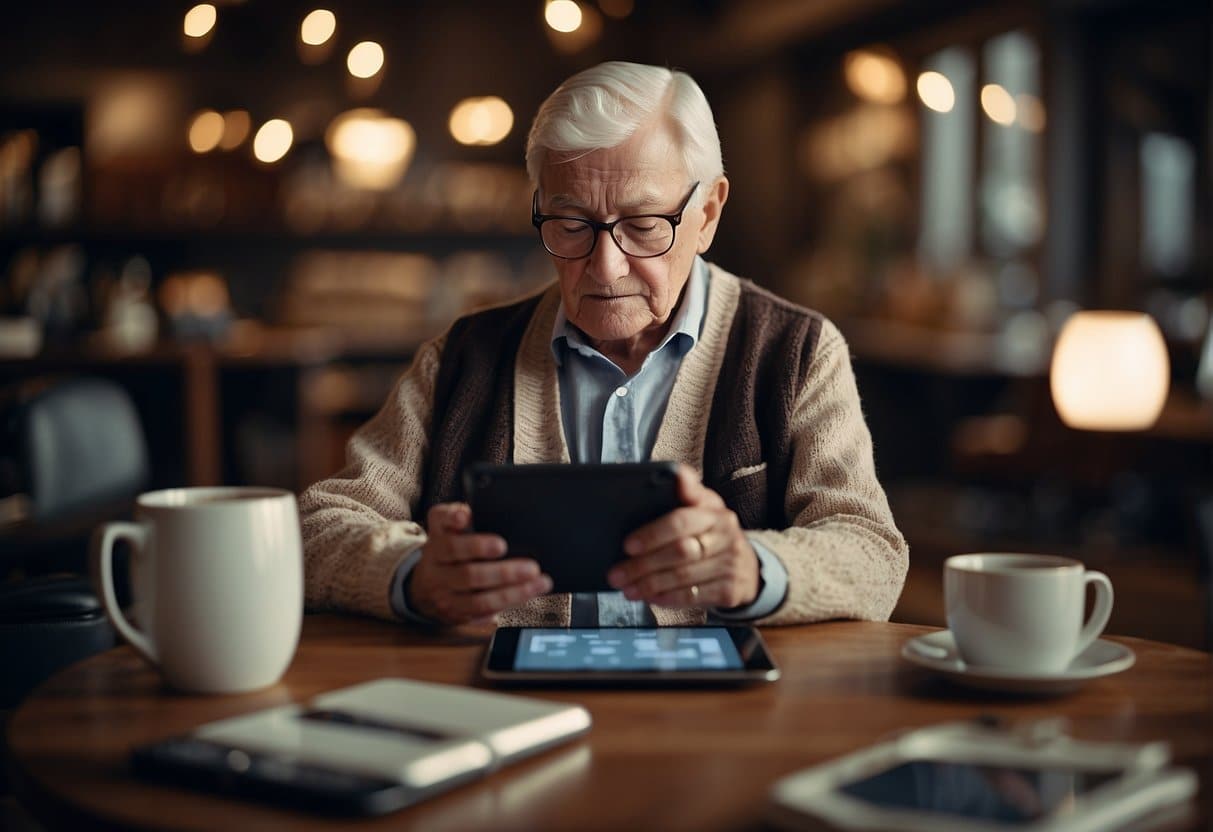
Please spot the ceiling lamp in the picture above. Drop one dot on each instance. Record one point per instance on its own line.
(370, 149)
(481, 121)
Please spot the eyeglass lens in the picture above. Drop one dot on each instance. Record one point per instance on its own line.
(637, 236)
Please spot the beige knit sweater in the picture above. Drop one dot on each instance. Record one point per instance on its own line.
(844, 556)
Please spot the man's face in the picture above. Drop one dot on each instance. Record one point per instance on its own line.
(621, 302)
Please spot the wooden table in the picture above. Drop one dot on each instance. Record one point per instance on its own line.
(653, 759)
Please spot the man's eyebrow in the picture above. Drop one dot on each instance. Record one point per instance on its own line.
(639, 203)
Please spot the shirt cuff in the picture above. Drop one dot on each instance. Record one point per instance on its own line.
(399, 598)
(772, 588)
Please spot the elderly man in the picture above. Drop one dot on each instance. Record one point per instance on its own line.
(640, 350)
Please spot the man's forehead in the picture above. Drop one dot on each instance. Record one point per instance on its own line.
(623, 195)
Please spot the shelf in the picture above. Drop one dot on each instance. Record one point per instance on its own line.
(1185, 418)
(439, 240)
(932, 515)
(268, 346)
(948, 352)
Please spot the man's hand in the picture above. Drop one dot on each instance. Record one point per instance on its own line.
(695, 556)
(461, 578)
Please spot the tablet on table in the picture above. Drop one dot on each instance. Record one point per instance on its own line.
(712, 654)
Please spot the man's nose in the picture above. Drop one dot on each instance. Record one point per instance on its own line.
(607, 263)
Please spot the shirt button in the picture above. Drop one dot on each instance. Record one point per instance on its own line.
(621, 391)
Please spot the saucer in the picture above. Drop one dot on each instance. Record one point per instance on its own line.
(937, 652)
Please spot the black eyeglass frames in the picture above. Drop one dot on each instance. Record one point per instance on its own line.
(642, 235)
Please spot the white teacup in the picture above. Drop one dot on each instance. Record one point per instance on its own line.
(217, 580)
(1023, 612)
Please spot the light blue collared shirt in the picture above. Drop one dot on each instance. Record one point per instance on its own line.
(607, 415)
(611, 417)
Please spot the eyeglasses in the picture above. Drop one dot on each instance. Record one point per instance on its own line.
(643, 235)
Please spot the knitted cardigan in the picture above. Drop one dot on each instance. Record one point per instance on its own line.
(844, 556)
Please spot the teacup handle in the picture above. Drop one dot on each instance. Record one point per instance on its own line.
(1101, 612)
(102, 562)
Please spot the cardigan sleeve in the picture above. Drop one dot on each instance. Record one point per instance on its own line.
(844, 554)
(358, 525)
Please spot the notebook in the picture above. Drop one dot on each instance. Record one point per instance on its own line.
(367, 749)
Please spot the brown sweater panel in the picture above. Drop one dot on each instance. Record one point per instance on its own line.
(769, 353)
(474, 398)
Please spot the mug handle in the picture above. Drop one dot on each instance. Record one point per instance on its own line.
(102, 562)
(1099, 615)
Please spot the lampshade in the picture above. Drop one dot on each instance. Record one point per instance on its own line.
(1110, 371)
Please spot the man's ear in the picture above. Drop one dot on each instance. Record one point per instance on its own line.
(713, 204)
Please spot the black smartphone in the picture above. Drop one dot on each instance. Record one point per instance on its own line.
(571, 518)
(198, 764)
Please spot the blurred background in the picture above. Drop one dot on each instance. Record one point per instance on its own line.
(249, 214)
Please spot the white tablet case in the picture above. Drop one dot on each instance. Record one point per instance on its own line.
(420, 734)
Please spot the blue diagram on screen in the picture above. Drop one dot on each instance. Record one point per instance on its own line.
(658, 649)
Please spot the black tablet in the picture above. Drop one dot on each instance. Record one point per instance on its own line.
(571, 518)
(713, 654)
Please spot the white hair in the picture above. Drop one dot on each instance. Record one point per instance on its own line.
(603, 106)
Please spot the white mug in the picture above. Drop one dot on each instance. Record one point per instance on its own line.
(1023, 612)
(217, 580)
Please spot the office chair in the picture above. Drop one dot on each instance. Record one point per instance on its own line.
(72, 453)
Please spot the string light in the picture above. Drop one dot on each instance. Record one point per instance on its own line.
(200, 20)
(206, 131)
(318, 27)
(936, 92)
(998, 104)
(563, 15)
(875, 77)
(236, 127)
(273, 140)
(365, 59)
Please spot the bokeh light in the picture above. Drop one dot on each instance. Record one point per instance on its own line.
(200, 20)
(998, 104)
(370, 149)
(236, 127)
(318, 27)
(874, 76)
(1030, 112)
(936, 92)
(206, 131)
(481, 121)
(273, 140)
(562, 15)
(365, 59)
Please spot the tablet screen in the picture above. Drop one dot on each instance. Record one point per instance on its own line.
(999, 793)
(658, 649)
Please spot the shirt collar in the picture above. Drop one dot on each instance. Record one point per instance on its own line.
(686, 324)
